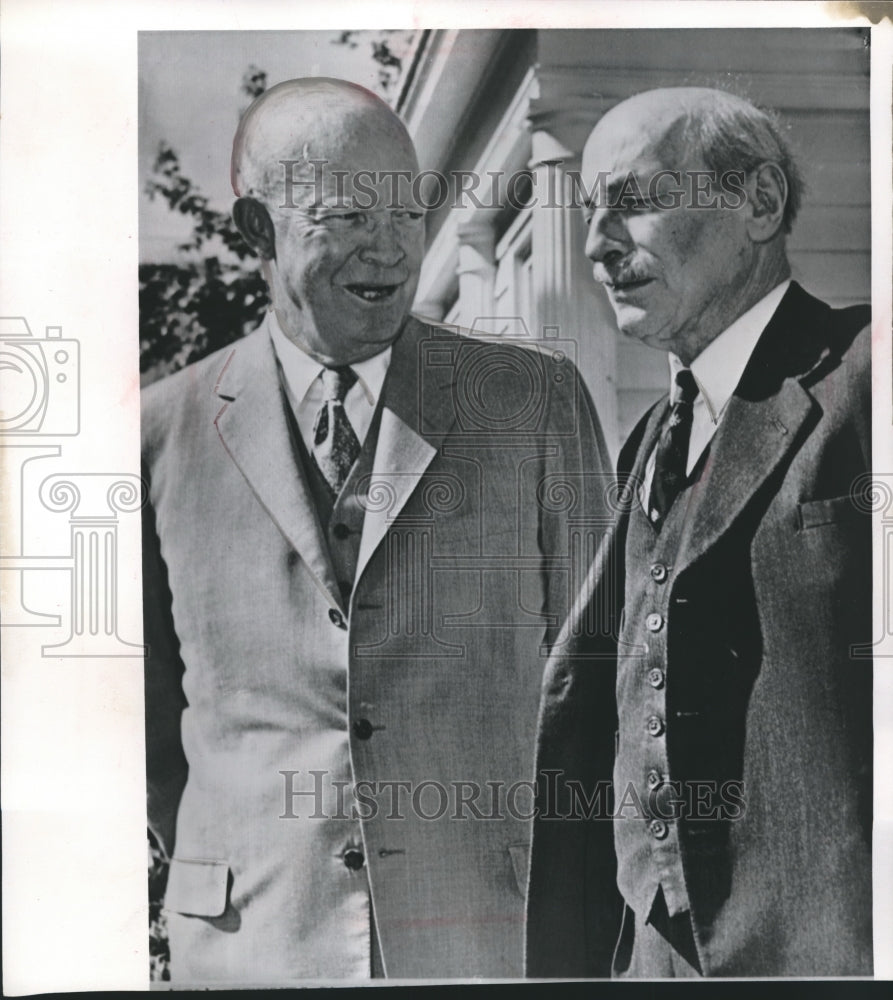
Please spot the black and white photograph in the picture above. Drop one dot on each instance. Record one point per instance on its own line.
(400, 613)
(489, 557)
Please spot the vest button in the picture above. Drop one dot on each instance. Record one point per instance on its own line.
(336, 618)
(658, 829)
(656, 677)
(655, 725)
(654, 622)
(340, 531)
(362, 729)
(658, 572)
(653, 779)
(353, 859)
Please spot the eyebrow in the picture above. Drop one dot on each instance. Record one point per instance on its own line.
(607, 194)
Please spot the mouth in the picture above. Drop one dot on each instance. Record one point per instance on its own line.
(619, 287)
(372, 293)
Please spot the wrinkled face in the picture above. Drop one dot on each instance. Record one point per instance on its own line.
(666, 245)
(349, 245)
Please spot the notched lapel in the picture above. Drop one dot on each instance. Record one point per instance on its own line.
(253, 428)
(752, 441)
(416, 414)
(762, 423)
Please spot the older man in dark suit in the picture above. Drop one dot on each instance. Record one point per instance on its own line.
(705, 735)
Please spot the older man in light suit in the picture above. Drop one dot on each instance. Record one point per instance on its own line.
(356, 552)
(720, 694)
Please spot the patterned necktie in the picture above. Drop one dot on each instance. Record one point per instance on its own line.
(335, 444)
(671, 457)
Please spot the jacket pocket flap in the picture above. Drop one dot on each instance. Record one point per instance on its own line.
(520, 855)
(197, 888)
(814, 513)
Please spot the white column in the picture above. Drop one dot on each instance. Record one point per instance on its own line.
(477, 274)
(569, 305)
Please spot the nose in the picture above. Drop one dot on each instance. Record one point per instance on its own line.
(607, 239)
(381, 244)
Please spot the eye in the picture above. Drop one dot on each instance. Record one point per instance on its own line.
(342, 218)
(631, 205)
(408, 215)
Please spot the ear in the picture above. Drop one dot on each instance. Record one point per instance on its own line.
(254, 223)
(767, 195)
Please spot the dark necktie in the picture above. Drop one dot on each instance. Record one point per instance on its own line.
(671, 457)
(335, 444)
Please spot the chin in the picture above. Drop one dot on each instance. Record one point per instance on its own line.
(633, 327)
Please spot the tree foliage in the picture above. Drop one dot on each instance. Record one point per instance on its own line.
(215, 293)
(211, 298)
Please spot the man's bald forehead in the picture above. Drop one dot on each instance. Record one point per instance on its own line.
(664, 116)
(310, 118)
(669, 103)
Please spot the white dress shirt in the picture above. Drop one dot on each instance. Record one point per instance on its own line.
(305, 391)
(717, 371)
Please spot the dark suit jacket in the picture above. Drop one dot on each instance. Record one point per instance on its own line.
(771, 592)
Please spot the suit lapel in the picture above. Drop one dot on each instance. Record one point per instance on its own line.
(417, 411)
(254, 430)
(761, 424)
(603, 586)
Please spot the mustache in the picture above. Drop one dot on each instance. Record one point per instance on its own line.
(623, 274)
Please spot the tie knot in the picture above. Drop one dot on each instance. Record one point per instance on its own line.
(337, 382)
(686, 386)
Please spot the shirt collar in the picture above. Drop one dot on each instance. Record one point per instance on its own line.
(301, 371)
(719, 367)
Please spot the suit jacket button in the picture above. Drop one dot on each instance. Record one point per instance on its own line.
(655, 725)
(340, 531)
(353, 859)
(336, 618)
(658, 829)
(362, 729)
(658, 572)
(656, 677)
(654, 622)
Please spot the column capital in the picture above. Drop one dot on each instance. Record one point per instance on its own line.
(476, 231)
(560, 126)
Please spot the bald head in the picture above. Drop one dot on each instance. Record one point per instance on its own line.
(313, 167)
(725, 132)
(314, 119)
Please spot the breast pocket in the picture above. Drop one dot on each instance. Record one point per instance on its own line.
(197, 888)
(837, 510)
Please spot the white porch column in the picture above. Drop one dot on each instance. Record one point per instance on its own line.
(569, 305)
(477, 273)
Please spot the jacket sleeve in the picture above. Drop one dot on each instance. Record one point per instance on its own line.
(166, 766)
(576, 494)
(573, 905)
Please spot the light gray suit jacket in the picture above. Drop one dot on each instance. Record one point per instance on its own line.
(487, 479)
